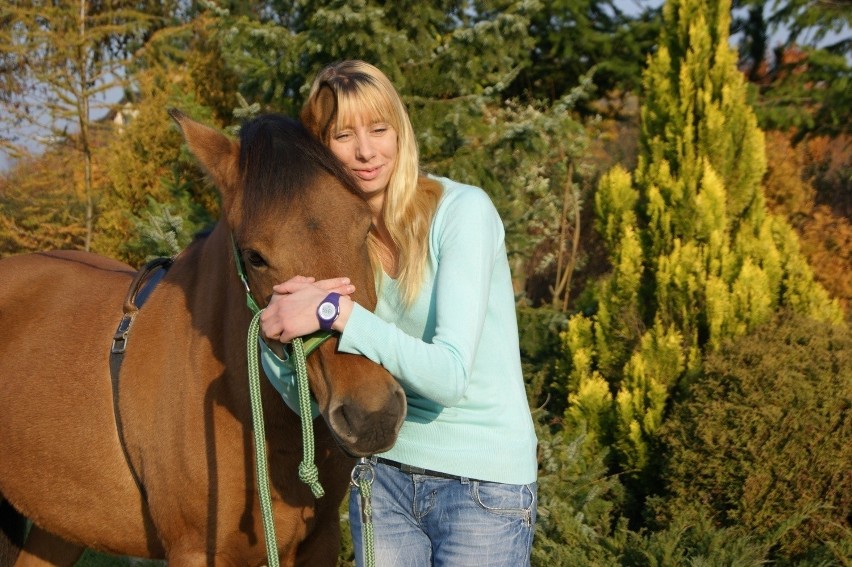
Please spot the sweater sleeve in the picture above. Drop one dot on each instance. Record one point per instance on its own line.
(466, 239)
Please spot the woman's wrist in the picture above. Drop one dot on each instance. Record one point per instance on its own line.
(346, 304)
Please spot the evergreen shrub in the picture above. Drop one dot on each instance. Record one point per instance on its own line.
(542, 356)
(579, 501)
(763, 438)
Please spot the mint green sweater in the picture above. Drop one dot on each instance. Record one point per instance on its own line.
(454, 350)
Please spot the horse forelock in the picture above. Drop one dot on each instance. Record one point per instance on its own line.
(279, 161)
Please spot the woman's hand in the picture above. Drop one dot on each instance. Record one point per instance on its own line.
(292, 309)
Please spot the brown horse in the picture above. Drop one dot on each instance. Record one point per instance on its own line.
(184, 399)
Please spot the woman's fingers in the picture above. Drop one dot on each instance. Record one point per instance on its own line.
(292, 309)
(293, 284)
(333, 284)
(339, 285)
(342, 286)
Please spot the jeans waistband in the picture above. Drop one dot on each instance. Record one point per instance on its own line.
(408, 469)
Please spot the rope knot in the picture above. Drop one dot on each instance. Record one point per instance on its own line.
(309, 474)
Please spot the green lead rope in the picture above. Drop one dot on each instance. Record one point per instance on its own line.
(362, 477)
(362, 474)
(367, 524)
(308, 472)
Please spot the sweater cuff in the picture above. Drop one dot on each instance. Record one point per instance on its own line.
(356, 325)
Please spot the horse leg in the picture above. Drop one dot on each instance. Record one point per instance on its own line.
(322, 546)
(13, 527)
(43, 549)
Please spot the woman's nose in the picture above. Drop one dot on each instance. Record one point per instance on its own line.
(364, 149)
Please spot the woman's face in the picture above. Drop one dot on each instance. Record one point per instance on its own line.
(369, 150)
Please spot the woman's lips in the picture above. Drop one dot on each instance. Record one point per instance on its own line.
(368, 174)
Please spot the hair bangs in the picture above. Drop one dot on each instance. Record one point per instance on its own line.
(366, 102)
(353, 92)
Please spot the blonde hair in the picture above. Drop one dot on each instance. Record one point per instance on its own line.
(354, 88)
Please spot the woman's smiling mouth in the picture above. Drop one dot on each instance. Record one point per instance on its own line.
(368, 174)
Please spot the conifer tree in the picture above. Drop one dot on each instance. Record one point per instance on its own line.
(150, 183)
(37, 212)
(696, 257)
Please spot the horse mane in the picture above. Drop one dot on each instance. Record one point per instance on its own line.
(279, 160)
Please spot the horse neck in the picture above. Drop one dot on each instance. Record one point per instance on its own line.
(218, 303)
(214, 295)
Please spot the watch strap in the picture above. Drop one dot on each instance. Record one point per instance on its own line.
(328, 311)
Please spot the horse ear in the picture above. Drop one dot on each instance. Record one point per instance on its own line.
(319, 113)
(218, 155)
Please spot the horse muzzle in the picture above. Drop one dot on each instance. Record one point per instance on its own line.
(366, 429)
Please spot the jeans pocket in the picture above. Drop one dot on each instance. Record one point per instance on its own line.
(510, 500)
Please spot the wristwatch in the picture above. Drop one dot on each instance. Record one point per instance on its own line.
(328, 311)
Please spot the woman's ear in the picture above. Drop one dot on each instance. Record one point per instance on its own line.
(320, 112)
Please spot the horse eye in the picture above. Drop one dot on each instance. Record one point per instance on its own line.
(255, 259)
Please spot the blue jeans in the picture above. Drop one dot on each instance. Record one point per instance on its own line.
(427, 521)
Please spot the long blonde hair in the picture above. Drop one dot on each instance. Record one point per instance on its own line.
(352, 88)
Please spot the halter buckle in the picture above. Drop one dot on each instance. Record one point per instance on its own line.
(119, 341)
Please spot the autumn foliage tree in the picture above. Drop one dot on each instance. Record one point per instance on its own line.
(62, 59)
(805, 184)
(37, 212)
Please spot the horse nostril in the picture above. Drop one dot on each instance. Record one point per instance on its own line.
(341, 424)
(363, 431)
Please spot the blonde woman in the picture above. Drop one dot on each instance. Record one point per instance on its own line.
(459, 486)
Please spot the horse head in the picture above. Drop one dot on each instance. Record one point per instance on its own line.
(293, 209)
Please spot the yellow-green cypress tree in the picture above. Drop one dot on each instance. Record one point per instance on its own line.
(696, 257)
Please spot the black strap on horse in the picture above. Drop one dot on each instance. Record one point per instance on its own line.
(140, 289)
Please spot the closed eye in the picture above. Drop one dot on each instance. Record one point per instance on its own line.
(254, 259)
